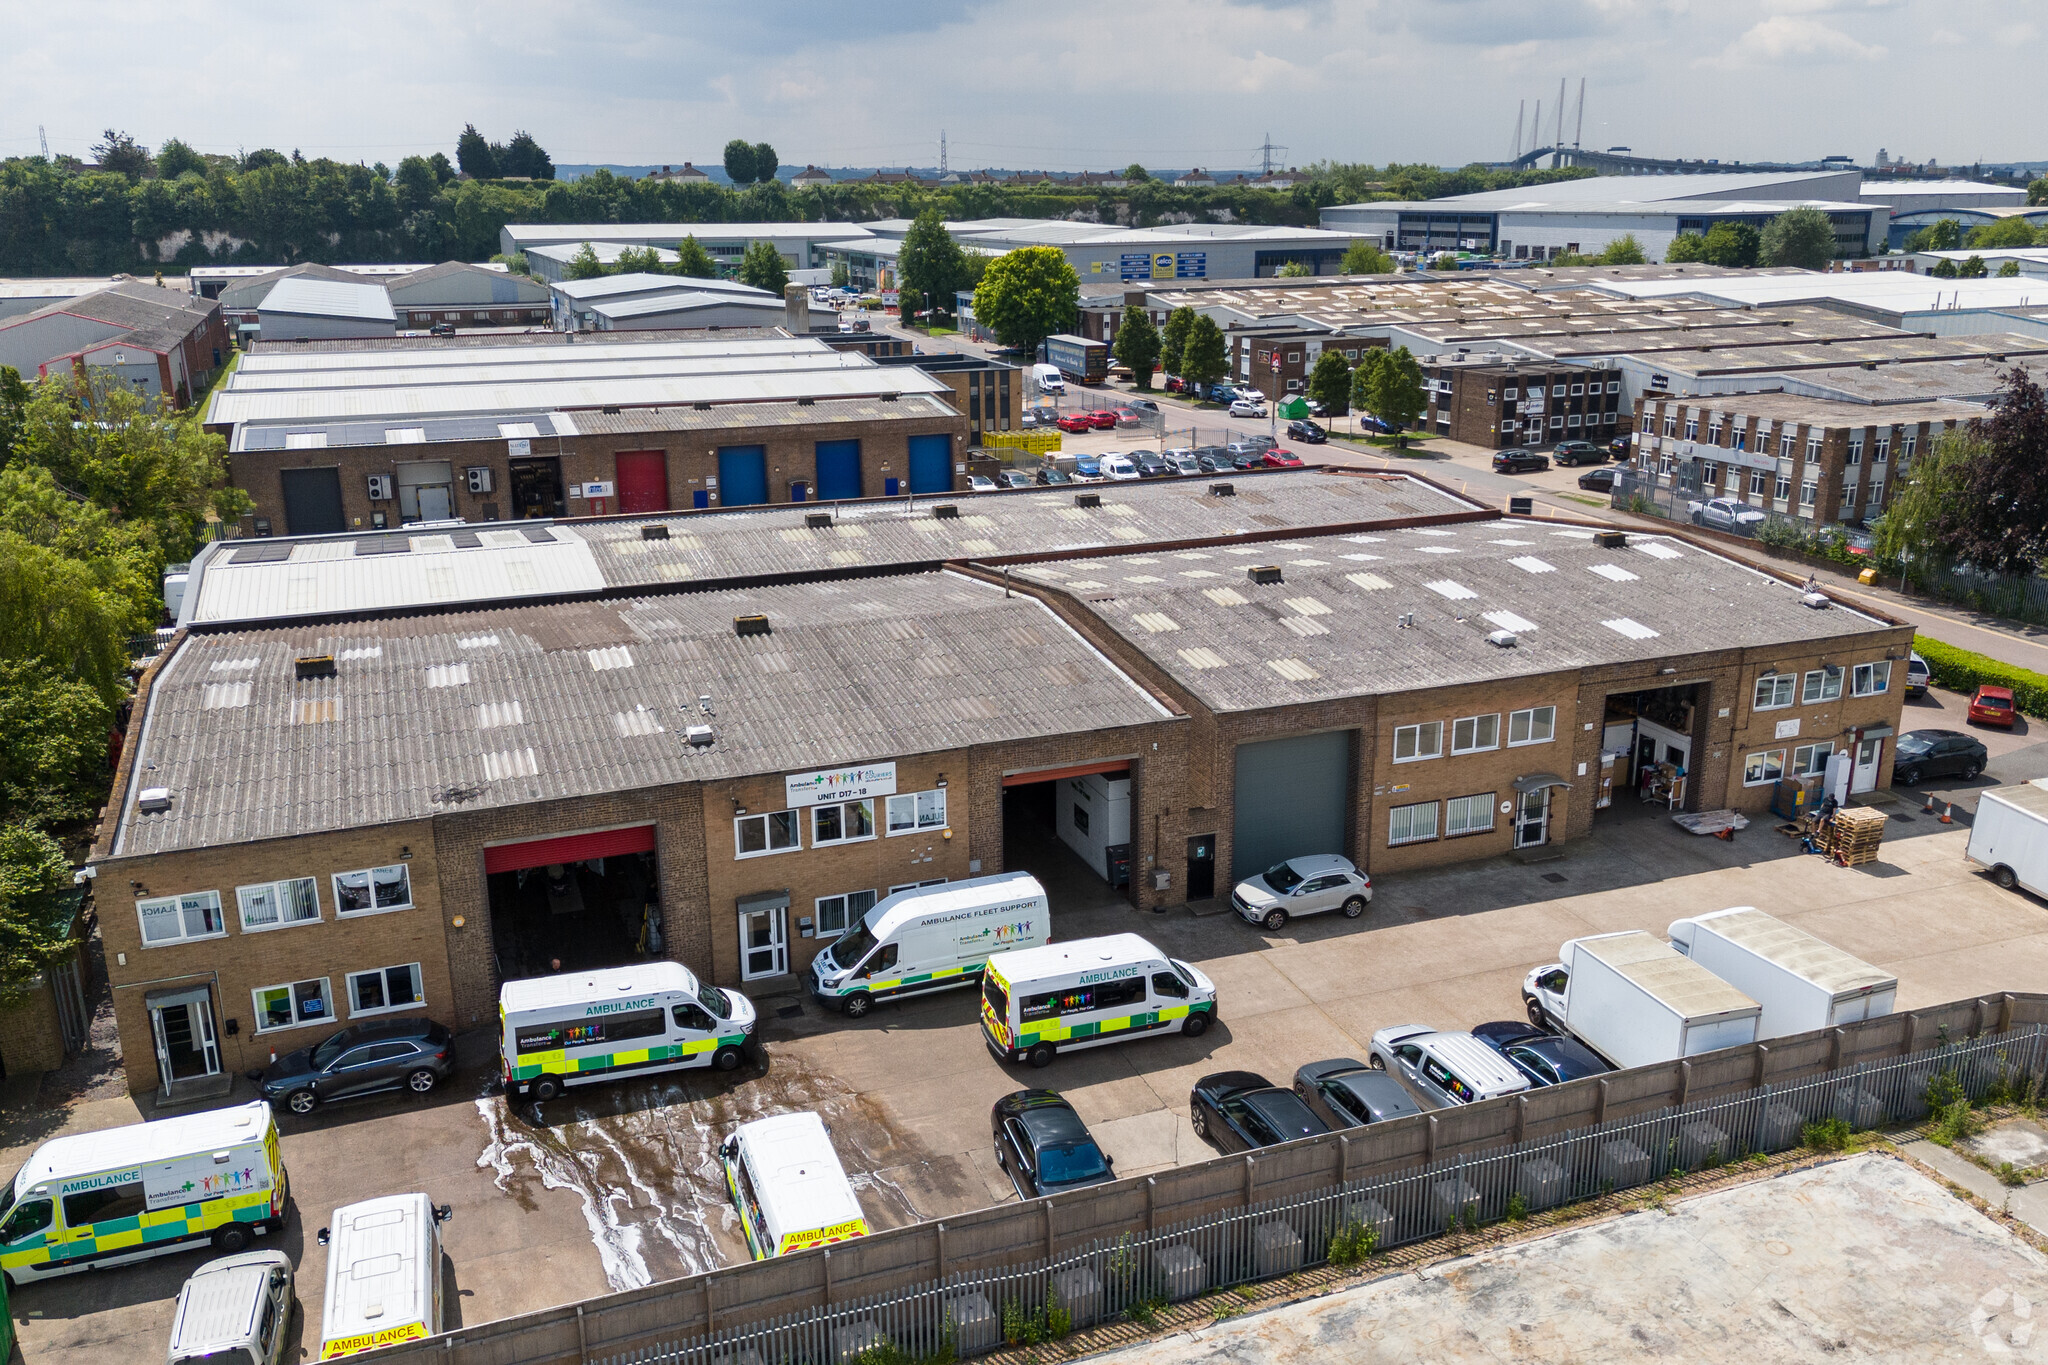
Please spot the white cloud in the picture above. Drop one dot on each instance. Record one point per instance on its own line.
(1783, 36)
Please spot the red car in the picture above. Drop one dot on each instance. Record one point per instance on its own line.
(1174, 384)
(1277, 458)
(1104, 420)
(1075, 421)
(1992, 706)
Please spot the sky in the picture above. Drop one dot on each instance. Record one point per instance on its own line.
(1039, 84)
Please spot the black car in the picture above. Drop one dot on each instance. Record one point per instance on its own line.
(1573, 453)
(1545, 1058)
(1043, 1145)
(1618, 448)
(1598, 480)
(1042, 416)
(362, 1059)
(1151, 464)
(1248, 459)
(1345, 1093)
(1306, 432)
(1519, 461)
(1937, 753)
(1048, 475)
(1242, 1110)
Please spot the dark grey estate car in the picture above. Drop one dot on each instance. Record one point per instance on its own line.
(362, 1059)
(1345, 1093)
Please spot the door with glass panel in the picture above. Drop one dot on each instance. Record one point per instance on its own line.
(764, 941)
(1532, 818)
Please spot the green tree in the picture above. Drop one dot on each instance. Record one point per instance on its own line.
(1027, 295)
(1173, 338)
(765, 163)
(1972, 268)
(1685, 249)
(2009, 271)
(739, 161)
(1394, 392)
(1370, 359)
(120, 154)
(1136, 173)
(415, 185)
(444, 169)
(763, 267)
(1801, 237)
(693, 260)
(516, 263)
(1944, 269)
(53, 746)
(1137, 345)
(1623, 250)
(584, 265)
(1329, 382)
(1203, 357)
(1733, 244)
(175, 158)
(37, 906)
(909, 304)
(2037, 191)
(524, 156)
(1930, 499)
(474, 155)
(640, 260)
(59, 613)
(1363, 258)
(1294, 270)
(1945, 234)
(14, 396)
(2006, 232)
(841, 276)
(263, 157)
(931, 262)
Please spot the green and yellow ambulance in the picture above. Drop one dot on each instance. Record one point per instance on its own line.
(1088, 993)
(579, 1027)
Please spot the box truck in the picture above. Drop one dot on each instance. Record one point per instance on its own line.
(1082, 361)
(1634, 999)
(2010, 836)
(1802, 983)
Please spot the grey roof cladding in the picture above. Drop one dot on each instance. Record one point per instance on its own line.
(505, 707)
(307, 296)
(1331, 628)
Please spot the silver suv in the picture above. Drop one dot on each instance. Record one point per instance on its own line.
(1308, 885)
(1445, 1069)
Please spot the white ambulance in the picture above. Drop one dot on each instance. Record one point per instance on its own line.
(1092, 991)
(788, 1186)
(579, 1027)
(930, 938)
(383, 1274)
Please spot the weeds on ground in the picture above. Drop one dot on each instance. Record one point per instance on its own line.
(1518, 1207)
(1827, 1135)
(1353, 1244)
(1145, 1312)
(1023, 1326)
(1955, 1122)
(889, 1353)
(1226, 1311)
(2009, 1174)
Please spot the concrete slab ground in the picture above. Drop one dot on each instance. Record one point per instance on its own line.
(1862, 1259)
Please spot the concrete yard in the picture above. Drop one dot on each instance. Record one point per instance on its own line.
(1862, 1259)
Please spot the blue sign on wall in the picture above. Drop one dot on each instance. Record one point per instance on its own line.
(1135, 265)
(1191, 265)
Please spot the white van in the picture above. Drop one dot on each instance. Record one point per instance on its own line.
(1049, 379)
(383, 1274)
(788, 1187)
(930, 938)
(1092, 991)
(1118, 469)
(125, 1194)
(557, 1031)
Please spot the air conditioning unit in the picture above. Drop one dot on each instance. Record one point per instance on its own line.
(380, 488)
(1503, 638)
(479, 478)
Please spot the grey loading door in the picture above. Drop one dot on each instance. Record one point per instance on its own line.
(312, 501)
(1290, 798)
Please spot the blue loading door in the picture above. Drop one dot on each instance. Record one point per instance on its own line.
(742, 475)
(838, 470)
(931, 464)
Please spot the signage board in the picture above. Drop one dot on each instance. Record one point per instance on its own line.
(1191, 265)
(518, 447)
(853, 783)
(1135, 265)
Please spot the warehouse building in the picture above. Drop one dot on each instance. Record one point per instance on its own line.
(160, 341)
(301, 308)
(797, 243)
(463, 295)
(576, 303)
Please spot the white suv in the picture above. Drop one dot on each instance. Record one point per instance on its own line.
(1307, 885)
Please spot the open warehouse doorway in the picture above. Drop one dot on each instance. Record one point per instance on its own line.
(1071, 828)
(586, 900)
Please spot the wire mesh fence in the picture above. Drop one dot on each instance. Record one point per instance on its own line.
(1135, 1275)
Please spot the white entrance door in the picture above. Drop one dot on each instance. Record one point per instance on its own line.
(1532, 818)
(1868, 752)
(764, 942)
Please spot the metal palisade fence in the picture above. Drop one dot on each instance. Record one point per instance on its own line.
(1127, 1276)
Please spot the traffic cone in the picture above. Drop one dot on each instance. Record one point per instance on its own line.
(1928, 809)
(1948, 814)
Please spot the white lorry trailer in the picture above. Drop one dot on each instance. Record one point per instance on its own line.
(2010, 836)
(1635, 1000)
(1802, 982)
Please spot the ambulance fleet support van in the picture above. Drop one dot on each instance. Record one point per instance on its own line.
(149, 1189)
(929, 939)
(1086, 993)
(788, 1186)
(557, 1031)
(383, 1274)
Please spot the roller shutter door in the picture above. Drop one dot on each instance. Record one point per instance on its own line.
(742, 475)
(569, 848)
(838, 470)
(931, 464)
(312, 502)
(1290, 799)
(643, 480)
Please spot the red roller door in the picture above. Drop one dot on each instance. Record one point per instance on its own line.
(643, 481)
(1119, 766)
(569, 848)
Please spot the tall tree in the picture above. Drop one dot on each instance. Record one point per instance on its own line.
(1294, 270)
(1733, 244)
(2009, 271)
(931, 262)
(1136, 173)
(175, 158)
(473, 154)
(36, 905)
(1174, 337)
(444, 169)
(1801, 237)
(2004, 526)
(1972, 268)
(264, 156)
(1203, 358)
(765, 163)
(739, 161)
(1623, 250)
(2006, 232)
(415, 185)
(584, 265)
(1943, 269)
(1363, 258)
(763, 267)
(1685, 249)
(1329, 382)
(2037, 191)
(53, 745)
(638, 260)
(1137, 345)
(693, 260)
(1930, 501)
(1945, 234)
(524, 156)
(118, 152)
(1394, 391)
(1027, 295)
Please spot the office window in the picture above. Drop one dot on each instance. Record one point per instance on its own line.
(1756, 483)
(757, 835)
(1809, 491)
(1610, 418)
(1906, 449)
(1559, 421)
(1468, 815)
(1573, 420)
(1474, 733)
(1578, 390)
(384, 988)
(912, 886)
(1413, 742)
(1876, 497)
(180, 919)
(1713, 433)
(1738, 439)
(1768, 766)
(1670, 425)
(1614, 386)
(1811, 760)
(842, 822)
(909, 812)
(1821, 684)
(292, 1004)
(1855, 450)
(1411, 824)
(1692, 428)
(1870, 680)
(372, 889)
(273, 905)
(835, 913)
(1782, 491)
(1557, 390)
(1773, 690)
(1537, 725)
(1881, 450)
(1785, 446)
(1710, 472)
(1813, 450)
(1509, 395)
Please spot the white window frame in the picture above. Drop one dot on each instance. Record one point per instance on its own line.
(1871, 679)
(1557, 422)
(1785, 446)
(1782, 489)
(1480, 804)
(1416, 754)
(1489, 722)
(1670, 424)
(1756, 482)
(1881, 450)
(1855, 456)
(1785, 683)
(1403, 817)
(371, 874)
(1509, 395)
(917, 802)
(419, 990)
(1528, 719)
(794, 820)
(185, 902)
(1614, 386)
(275, 891)
(845, 911)
(1809, 493)
(1906, 447)
(290, 988)
(1692, 428)
(1821, 685)
(1578, 390)
(1813, 450)
(818, 839)
(1811, 760)
(1763, 768)
(1713, 433)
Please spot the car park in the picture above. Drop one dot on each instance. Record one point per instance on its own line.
(1259, 442)
(1573, 453)
(787, 1186)
(1142, 405)
(1245, 407)
(1346, 1093)
(384, 1277)
(1181, 460)
(1074, 422)
(1598, 480)
(1620, 448)
(1519, 461)
(1918, 675)
(578, 1028)
(1306, 432)
(1012, 478)
(980, 483)
(1242, 1111)
(1307, 885)
(1726, 514)
(1921, 754)
(1043, 1146)
(1445, 1069)
(1545, 1058)
(1277, 458)
(1102, 419)
(1128, 417)
(1992, 705)
(236, 1311)
(362, 1059)
(1051, 476)
(1043, 415)
(1248, 459)
(1118, 468)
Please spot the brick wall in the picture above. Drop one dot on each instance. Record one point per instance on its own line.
(1477, 404)
(31, 1039)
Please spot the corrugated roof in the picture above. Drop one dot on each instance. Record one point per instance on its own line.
(522, 348)
(505, 707)
(638, 282)
(650, 305)
(593, 362)
(304, 296)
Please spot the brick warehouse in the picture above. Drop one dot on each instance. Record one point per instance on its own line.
(542, 686)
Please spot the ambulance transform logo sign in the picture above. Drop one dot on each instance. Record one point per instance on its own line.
(840, 784)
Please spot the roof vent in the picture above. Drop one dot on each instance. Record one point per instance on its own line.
(1222, 490)
(946, 511)
(818, 521)
(153, 800)
(807, 402)
(1087, 499)
(1611, 540)
(1817, 600)
(750, 625)
(610, 409)
(654, 533)
(701, 407)
(1263, 573)
(1503, 638)
(700, 736)
(1870, 364)
(313, 666)
(890, 397)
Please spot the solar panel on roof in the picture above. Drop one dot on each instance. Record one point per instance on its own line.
(261, 554)
(383, 545)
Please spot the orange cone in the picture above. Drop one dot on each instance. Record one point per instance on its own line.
(1947, 815)
(1928, 809)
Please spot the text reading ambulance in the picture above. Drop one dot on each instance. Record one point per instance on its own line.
(788, 1186)
(1086, 993)
(557, 1031)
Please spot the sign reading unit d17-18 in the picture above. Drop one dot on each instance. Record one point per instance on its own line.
(840, 784)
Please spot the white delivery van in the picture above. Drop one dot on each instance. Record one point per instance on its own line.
(1634, 999)
(236, 1311)
(929, 938)
(1048, 379)
(2010, 836)
(557, 1031)
(125, 1194)
(1802, 982)
(1086, 993)
(788, 1186)
(383, 1274)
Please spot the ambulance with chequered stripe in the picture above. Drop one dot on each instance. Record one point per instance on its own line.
(1087, 993)
(929, 938)
(580, 1027)
(93, 1200)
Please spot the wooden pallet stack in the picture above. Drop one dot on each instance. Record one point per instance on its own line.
(1853, 835)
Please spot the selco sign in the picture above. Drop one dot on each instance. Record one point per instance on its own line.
(839, 784)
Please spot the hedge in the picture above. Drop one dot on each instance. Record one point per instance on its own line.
(1961, 671)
